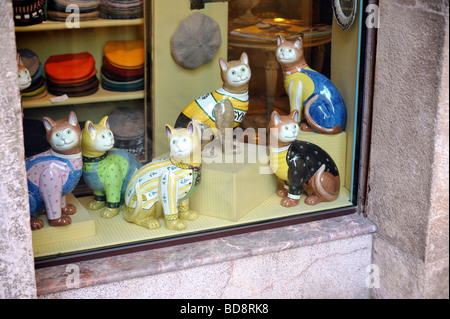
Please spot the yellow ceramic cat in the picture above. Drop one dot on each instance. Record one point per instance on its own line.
(165, 185)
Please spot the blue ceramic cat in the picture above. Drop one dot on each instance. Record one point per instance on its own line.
(310, 92)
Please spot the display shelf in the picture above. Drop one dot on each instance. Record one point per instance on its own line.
(83, 226)
(118, 232)
(61, 25)
(100, 96)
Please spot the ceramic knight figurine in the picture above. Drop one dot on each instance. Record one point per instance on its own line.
(302, 166)
(53, 174)
(106, 170)
(165, 185)
(225, 108)
(315, 97)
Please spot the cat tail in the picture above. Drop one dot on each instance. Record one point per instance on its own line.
(333, 130)
(327, 195)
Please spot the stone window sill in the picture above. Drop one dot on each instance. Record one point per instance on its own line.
(161, 260)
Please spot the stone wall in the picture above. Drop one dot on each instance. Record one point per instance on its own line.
(16, 254)
(408, 177)
(331, 269)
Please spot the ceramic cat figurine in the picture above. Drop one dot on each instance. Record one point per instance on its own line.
(53, 174)
(301, 165)
(106, 171)
(225, 108)
(165, 185)
(311, 93)
(23, 74)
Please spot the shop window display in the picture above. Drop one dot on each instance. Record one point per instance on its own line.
(268, 148)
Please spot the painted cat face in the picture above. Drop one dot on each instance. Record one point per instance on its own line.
(97, 137)
(180, 144)
(286, 127)
(63, 135)
(235, 73)
(23, 74)
(288, 51)
(184, 142)
(180, 140)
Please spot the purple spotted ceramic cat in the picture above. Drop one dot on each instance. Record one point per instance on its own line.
(53, 174)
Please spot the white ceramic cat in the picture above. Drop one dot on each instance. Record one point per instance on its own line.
(165, 185)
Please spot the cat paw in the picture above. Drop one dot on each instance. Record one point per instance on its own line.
(62, 221)
(188, 215)
(69, 209)
(150, 223)
(282, 192)
(36, 223)
(313, 200)
(95, 204)
(109, 212)
(289, 202)
(176, 224)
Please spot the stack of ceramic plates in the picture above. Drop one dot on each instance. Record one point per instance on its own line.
(123, 66)
(28, 12)
(73, 74)
(60, 10)
(121, 9)
(37, 88)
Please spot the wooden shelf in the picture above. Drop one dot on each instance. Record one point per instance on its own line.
(61, 25)
(100, 96)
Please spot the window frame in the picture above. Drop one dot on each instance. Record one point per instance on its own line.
(361, 154)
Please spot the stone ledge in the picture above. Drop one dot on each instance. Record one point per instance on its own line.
(157, 261)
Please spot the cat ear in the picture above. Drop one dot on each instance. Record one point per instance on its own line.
(275, 118)
(48, 123)
(90, 127)
(294, 115)
(169, 130)
(191, 128)
(280, 39)
(197, 126)
(223, 64)
(73, 118)
(105, 122)
(244, 58)
(298, 43)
